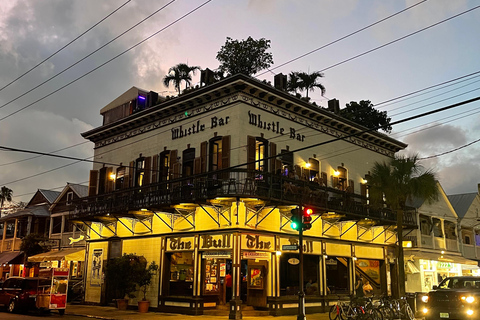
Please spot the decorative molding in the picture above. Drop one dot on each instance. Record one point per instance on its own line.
(254, 102)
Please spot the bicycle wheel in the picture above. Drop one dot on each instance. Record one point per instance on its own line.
(409, 312)
(387, 313)
(375, 314)
(333, 313)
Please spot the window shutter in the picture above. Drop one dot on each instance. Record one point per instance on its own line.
(197, 165)
(323, 177)
(225, 155)
(176, 170)
(363, 190)
(273, 152)
(129, 181)
(108, 180)
(203, 157)
(335, 183)
(155, 169)
(351, 186)
(92, 184)
(278, 164)
(173, 163)
(251, 154)
(148, 165)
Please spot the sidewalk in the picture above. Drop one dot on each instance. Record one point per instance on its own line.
(112, 313)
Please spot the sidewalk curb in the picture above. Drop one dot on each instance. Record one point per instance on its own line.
(88, 316)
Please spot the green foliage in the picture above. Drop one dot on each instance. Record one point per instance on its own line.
(31, 244)
(309, 81)
(400, 180)
(145, 278)
(178, 74)
(123, 274)
(245, 56)
(5, 195)
(293, 83)
(366, 115)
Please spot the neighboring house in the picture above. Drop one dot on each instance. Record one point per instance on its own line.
(34, 218)
(467, 206)
(70, 249)
(205, 183)
(433, 251)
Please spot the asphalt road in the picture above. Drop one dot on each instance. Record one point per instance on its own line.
(33, 315)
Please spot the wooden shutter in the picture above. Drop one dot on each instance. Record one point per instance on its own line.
(273, 152)
(251, 154)
(363, 190)
(147, 170)
(225, 155)
(129, 181)
(203, 157)
(173, 162)
(109, 182)
(323, 178)
(351, 186)
(155, 169)
(197, 165)
(335, 182)
(176, 170)
(92, 184)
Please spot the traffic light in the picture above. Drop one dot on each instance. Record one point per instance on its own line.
(307, 218)
(295, 223)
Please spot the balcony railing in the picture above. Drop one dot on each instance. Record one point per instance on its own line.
(275, 190)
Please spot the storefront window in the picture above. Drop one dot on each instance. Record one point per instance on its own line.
(337, 274)
(181, 274)
(369, 270)
(289, 274)
(212, 276)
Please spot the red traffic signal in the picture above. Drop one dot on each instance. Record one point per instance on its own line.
(307, 218)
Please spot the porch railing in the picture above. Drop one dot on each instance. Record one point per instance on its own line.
(276, 190)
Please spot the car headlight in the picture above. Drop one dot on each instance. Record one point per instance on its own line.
(425, 299)
(468, 299)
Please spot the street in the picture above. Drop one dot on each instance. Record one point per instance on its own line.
(33, 315)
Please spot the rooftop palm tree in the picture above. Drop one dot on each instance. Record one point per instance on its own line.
(397, 182)
(178, 73)
(308, 81)
(5, 195)
(293, 83)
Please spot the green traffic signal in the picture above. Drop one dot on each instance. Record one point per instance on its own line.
(295, 223)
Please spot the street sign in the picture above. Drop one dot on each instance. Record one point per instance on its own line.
(290, 247)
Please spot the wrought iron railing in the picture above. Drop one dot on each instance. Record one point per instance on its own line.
(274, 189)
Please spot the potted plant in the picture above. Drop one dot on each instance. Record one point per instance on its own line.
(122, 276)
(144, 281)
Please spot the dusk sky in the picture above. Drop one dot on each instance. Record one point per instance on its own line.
(364, 66)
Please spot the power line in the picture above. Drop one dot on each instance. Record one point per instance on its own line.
(398, 39)
(342, 38)
(450, 151)
(72, 65)
(72, 41)
(430, 87)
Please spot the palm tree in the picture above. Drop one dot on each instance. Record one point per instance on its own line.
(397, 182)
(5, 195)
(178, 73)
(308, 81)
(293, 83)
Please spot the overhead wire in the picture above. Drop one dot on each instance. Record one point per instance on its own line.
(63, 47)
(84, 58)
(342, 38)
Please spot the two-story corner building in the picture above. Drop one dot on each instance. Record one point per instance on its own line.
(69, 239)
(467, 206)
(433, 251)
(204, 184)
(13, 227)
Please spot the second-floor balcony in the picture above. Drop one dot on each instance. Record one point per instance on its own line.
(238, 184)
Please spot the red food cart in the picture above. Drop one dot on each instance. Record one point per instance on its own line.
(53, 294)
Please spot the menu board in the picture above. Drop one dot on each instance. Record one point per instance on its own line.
(211, 275)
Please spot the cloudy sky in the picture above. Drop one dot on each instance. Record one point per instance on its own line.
(373, 64)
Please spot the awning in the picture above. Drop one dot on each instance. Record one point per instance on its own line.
(8, 257)
(439, 257)
(411, 267)
(71, 254)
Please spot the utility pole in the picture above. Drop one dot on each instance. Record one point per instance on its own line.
(301, 293)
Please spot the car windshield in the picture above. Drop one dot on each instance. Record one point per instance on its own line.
(456, 283)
